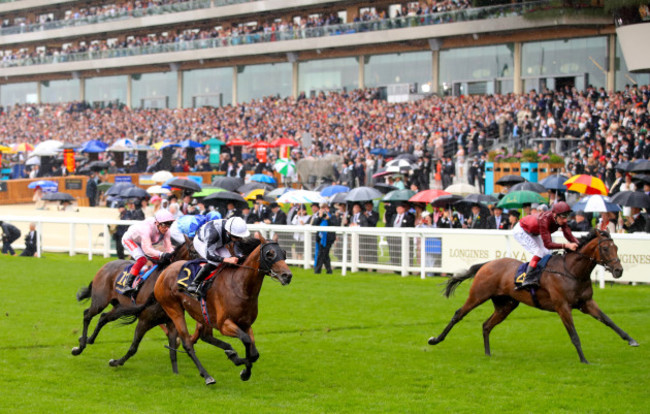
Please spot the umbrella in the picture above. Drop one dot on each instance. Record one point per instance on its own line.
(465, 207)
(480, 199)
(378, 151)
(93, 146)
(207, 191)
(23, 147)
(399, 195)
(104, 186)
(123, 145)
(261, 144)
(225, 196)
(285, 166)
(427, 196)
(57, 197)
(263, 178)
(528, 186)
(34, 160)
(228, 183)
(43, 184)
(381, 172)
(214, 142)
(237, 142)
(284, 141)
(508, 180)
(399, 165)
(97, 165)
(363, 194)
(164, 144)
(116, 189)
(462, 189)
(641, 166)
(554, 182)
(156, 189)
(595, 203)
(252, 195)
(644, 178)
(586, 184)
(4, 148)
(446, 201)
(632, 199)
(517, 199)
(161, 176)
(338, 198)
(330, 190)
(279, 191)
(623, 166)
(409, 157)
(134, 192)
(248, 187)
(47, 148)
(384, 188)
(189, 143)
(184, 184)
(301, 197)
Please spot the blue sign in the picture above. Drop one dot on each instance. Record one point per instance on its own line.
(122, 179)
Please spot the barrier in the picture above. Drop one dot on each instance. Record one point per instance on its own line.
(403, 250)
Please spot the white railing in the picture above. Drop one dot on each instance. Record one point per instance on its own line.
(400, 250)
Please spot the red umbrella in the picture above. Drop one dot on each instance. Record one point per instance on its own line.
(238, 142)
(427, 196)
(284, 141)
(261, 144)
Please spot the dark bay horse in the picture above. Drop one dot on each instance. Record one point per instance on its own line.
(231, 302)
(565, 285)
(101, 291)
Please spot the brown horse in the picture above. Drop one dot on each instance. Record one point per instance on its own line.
(102, 292)
(231, 302)
(565, 285)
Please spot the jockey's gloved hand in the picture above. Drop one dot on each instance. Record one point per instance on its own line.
(165, 258)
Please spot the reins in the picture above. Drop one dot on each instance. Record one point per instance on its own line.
(607, 265)
(267, 272)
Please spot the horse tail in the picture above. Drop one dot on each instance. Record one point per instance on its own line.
(84, 292)
(129, 315)
(454, 281)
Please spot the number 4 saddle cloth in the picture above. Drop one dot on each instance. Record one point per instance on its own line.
(520, 274)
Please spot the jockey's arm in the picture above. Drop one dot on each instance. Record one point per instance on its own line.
(566, 230)
(546, 237)
(167, 243)
(148, 248)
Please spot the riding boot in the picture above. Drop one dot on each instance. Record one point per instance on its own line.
(194, 287)
(532, 278)
(129, 289)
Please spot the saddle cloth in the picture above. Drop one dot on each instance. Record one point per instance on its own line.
(120, 283)
(189, 271)
(520, 274)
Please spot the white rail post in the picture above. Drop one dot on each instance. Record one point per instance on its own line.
(90, 243)
(107, 241)
(355, 248)
(72, 239)
(307, 254)
(404, 262)
(39, 238)
(344, 256)
(423, 271)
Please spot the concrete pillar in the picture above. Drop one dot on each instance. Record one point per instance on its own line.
(518, 85)
(435, 71)
(234, 85)
(295, 77)
(611, 63)
(362, 72)
(82, 89)
(129, 92)
(179, 89)
(38, 92)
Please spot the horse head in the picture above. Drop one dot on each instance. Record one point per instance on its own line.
(599, 247)
(272, 262)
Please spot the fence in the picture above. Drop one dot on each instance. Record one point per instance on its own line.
(403, 250)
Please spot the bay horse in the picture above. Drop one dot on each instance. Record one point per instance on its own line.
(565, 285)
(102, 293)
(231, 302)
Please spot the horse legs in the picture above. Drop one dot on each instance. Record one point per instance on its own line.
(502, 308)
(565, 314)
(146, 321)
(103, 320)
(89, 313)
(591, 308)
(471, 302)
(206, 336)
(230, 328)
(172, 336)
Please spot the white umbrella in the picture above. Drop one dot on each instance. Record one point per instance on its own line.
(161, 176)
(301, 197)
(156, 189)
(595, 203)
(33, 160)
(123, 145)
(47, 148)
(399, 165)
(462, 189)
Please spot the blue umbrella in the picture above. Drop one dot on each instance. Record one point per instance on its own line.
(333, 189)
(188, 143)
(93, 146)
(555, 182)
(378, 151)
(43, 184)
(263, 178)
(595, 203)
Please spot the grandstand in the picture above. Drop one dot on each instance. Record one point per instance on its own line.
(183, 54)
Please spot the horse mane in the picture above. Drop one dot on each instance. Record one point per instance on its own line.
(248, 244)
(593, 233)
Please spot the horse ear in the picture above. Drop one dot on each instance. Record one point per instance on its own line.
(259, 237)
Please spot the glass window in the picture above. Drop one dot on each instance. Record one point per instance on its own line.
(257, 81)
(105, 89)
(582, 59)
(472, 64)
(60, 91)
(154, 90)
(18, 93)
(328, 75)
(382, 70)
(207, 87)
(625, 77)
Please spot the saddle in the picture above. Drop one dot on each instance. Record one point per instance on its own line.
(189, 271)
(520, 274)
(120, 283)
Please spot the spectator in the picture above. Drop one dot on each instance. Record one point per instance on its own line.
(249, 217)
(497, 221)
(91, 189)
(10, 234)
(513, 218)
(635, 222)
(401, 219)
(31, 242)
(301, 218)
(608, 222)
(579, 222)
(135, 213)
(324, 239)
(120, 229)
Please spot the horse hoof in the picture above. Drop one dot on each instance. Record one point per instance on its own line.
(209, 380)
(113, 363)
(76, 350)
(632, 342)
(90, 341)
(433, 340)
(245, 374)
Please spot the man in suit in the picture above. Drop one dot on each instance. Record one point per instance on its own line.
(91, 189)
(401, 218)
(324, 240)
(476, 220)
(231, 211)
(260, 210)
(636, 222)
(120, 230)
(277, 216)
(10, 234)
(497, 221)
(248, 216)
(579, 222)
(369, 243)
(30, 241)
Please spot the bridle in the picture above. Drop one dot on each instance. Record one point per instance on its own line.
(266, 266)
(608, 265)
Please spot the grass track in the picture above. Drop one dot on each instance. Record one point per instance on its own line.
(328, 344)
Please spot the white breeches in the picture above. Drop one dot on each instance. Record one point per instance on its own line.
(532, 244)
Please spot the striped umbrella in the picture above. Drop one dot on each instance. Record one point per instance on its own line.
(586, 184)
(285, 167)
(23, 147)
(595, 203)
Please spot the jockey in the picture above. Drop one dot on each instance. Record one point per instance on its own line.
(209, 243)
(186, 225)
(533, 232)
(140, 238)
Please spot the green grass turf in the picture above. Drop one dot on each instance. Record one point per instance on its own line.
(328, 344)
